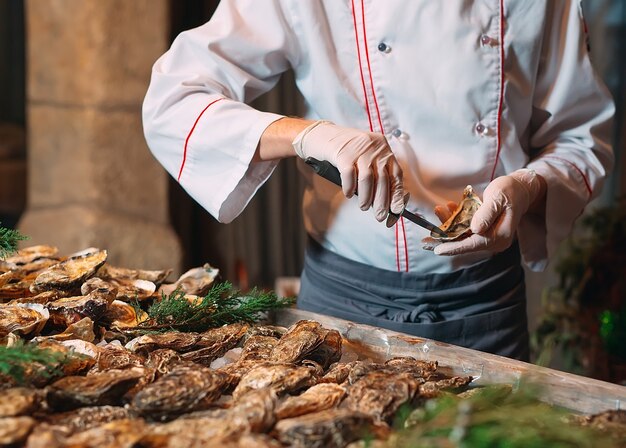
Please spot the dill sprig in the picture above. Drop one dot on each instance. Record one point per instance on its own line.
(24, 362)
(8, 241)
(222, 305)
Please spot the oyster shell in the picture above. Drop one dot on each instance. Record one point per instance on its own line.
(73, 365)
(15, 430)
(70, 273)
(88, 417)
(308, 340)
(458, 225)
(94, 390)
(162, 361)
(108, 272)
(317, 398)
(333, 428)
(433, 388)
(380, 393)
(32, 253)
(120, 315)
(112, 356)
(41, 298)
(69, 310)
(83, 330)
(114, 434)
(215, 340)
(196, 281)
(283, 378)
(19, 401)
(337, 373)
(23, 319)
(258, 348)
(186, 388)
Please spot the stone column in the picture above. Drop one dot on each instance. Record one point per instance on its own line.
(91, 179)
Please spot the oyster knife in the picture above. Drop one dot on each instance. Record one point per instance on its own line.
(329, 172)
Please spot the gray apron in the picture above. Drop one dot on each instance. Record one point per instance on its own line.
(482, 307)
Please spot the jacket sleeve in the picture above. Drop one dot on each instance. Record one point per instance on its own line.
(570, 135)
(195, 118)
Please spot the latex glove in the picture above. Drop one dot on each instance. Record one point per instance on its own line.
(505, 200)
(364, 160)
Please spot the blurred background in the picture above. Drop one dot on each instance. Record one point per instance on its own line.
(75, 170)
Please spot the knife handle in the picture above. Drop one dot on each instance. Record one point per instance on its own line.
(325, 169)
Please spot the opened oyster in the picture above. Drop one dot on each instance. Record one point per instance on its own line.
(22, 319)
(458, 225)
(196, 281)
(121, 315)
(70, 273)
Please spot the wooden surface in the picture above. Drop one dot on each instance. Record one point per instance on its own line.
(573, 392)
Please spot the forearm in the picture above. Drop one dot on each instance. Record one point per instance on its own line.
(275, 142)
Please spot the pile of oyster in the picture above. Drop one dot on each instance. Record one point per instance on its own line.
(237, 385)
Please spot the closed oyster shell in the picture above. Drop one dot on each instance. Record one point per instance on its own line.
(283, 378)
(19, 401)
(93, 390)
(70, 273)
(112, 356)
(157, 277)
(32, 253)
(307, 339)
(316, 398)
(458, 225)
(115, 434)
(185, 389)
(15, 430)
(333, 428)
(196, 281)
(23, 319)
(380, 393)
(88, 417)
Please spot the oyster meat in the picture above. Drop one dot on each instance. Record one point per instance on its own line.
(458, 225)
(308, 340)
(185, 389)
(98, 389)
(333, 428)
(317, 398)
(70, 273)
(19, 401)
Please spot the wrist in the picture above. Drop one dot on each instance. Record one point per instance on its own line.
(276, 140)
(298, 141)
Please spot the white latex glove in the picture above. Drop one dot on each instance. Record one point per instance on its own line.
(505, 200)
(364, 160)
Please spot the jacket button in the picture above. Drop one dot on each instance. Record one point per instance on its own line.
(397, 133)
(383, 47)
(485, 40)
(481, 128)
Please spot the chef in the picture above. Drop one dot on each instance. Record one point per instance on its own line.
(423, 97)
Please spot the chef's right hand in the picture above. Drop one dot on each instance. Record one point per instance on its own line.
(364, 160)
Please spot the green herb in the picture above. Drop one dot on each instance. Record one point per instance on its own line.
(8, 241)
(491, 418)
(222, 305)
(22, 362)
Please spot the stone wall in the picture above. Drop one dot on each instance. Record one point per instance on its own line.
(92, 180)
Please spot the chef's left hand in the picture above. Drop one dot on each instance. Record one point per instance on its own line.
(505, 200)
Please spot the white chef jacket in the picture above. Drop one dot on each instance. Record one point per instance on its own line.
(464, 91)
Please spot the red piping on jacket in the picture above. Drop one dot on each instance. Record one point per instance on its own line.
(501, 102)
(587, 185)
(358, 52)
(182, 165)
(369, 68)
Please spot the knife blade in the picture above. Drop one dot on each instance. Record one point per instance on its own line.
(329, 172)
